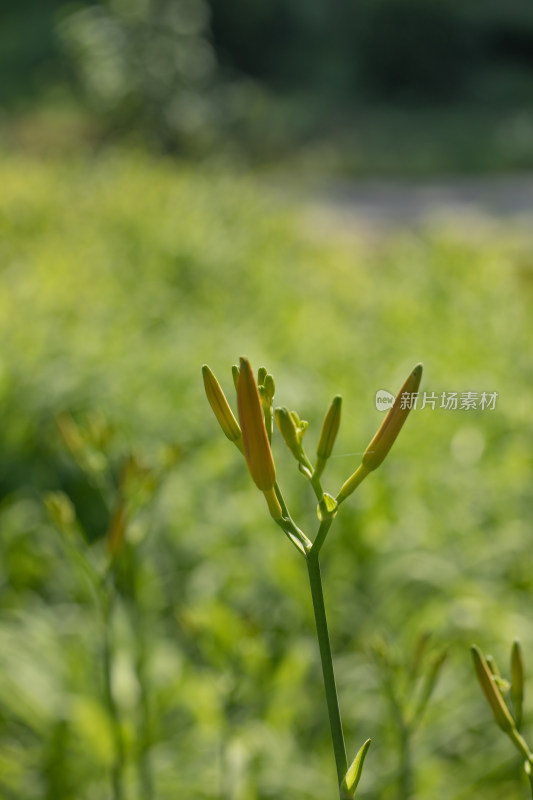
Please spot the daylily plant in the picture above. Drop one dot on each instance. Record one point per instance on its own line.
(252, 435)
(506, 699)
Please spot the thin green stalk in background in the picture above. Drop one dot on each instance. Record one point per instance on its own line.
(408, 687)
(116, 577)
(138, 624)
(117, 769)
(406, 777)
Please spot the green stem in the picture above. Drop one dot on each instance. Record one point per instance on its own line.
(317, 486)
(141, 654)
(335, 723)
(530, 777)
(321, 536)
(406, 784)
(117, 769)
(520, 744)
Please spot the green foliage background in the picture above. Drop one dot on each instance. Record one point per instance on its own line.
(120, 277)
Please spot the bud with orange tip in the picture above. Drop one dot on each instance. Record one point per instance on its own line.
(391, 426)
(254, 437)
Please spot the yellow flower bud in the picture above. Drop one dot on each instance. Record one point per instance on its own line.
(254, 436)
(219, 404)
(393, 422)
(492, 693)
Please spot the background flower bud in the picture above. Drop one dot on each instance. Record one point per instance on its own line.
(492, 693)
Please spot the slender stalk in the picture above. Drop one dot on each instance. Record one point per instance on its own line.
(406, 778)
(145, 772)
(321, 536)
(337, 736)
(316, 484)
(117, 770)
(146, 786)
(530, 777)
(404, 730)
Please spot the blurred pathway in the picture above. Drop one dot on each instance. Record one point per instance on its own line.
(375, 205)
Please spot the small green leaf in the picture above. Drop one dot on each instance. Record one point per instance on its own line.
(327, 508)
(353, 776)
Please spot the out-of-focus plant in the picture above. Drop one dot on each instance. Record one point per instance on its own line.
(252, 435)
(126, 485)
(506, 699)
(408, 685)
(146, 65)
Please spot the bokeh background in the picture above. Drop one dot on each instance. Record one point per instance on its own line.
(152, 216)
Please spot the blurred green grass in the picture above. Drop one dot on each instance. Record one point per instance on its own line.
(121, 275)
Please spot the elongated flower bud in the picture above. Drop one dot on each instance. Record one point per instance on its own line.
(270, 387)
(254, 436)
(328, 434)
(330, 428)
(289, 431)
(517, 681)
(219, 404)
(501, 713)
(393, 422)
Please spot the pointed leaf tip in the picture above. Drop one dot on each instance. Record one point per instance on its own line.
(353, 776)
